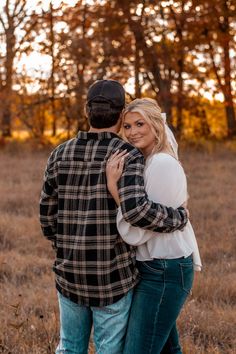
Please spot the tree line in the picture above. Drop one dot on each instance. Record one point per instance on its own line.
(173, 51)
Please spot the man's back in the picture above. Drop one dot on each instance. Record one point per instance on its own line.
(94, 267)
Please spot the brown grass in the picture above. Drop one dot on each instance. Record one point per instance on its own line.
(28, 304)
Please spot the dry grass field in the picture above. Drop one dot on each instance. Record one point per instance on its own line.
(28, 305)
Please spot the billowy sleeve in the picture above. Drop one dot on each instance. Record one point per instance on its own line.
(165, 183)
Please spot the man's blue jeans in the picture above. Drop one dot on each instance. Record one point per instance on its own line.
(157, 301)
(109, 326)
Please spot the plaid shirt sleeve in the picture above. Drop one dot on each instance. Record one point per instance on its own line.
(138, 210)
(49, 200)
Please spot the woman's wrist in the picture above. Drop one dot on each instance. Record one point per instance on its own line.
(112, 185)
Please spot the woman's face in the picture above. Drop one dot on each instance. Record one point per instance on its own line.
(139, 132)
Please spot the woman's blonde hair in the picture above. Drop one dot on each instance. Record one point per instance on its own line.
(151, 112)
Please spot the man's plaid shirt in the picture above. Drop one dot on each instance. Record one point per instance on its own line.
(94, 266)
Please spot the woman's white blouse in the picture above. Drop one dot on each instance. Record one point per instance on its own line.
(165, 183)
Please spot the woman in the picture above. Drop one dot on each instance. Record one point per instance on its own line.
(165, 261)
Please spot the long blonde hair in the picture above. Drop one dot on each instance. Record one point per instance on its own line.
(151, 112)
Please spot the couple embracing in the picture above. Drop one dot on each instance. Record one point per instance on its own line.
(114, 208)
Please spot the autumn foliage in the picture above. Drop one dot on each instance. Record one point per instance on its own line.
(180, 52)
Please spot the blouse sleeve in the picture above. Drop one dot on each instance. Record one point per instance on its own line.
(165, 183)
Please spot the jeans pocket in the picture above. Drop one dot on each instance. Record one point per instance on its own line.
(119, 306)
(110, 310)
(153, 267)
(67, 303)
(187, 273)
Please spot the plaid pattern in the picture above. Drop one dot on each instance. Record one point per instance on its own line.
(94, 266)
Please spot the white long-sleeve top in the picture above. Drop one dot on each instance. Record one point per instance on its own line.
(165, 183)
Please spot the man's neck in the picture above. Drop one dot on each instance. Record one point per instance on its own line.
(106, 130)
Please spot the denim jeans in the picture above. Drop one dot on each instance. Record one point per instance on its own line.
(157, 301)
(109, 326)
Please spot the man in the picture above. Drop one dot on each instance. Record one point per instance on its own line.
(95, 270)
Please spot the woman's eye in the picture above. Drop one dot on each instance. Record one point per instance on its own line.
(140, 124)
(126, 126)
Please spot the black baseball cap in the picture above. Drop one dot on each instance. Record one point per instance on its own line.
(107, 94)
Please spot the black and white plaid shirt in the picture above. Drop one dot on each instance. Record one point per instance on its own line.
(94, 266)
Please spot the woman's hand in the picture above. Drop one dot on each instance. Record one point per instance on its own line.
(114, 169)
(115, 165)
(185, 206)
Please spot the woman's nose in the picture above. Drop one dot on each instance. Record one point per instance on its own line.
(132, 131)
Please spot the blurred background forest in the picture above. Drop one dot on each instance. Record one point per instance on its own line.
(180, 52)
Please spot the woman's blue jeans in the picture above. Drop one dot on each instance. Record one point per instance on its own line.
(157, 301)
(109, 326)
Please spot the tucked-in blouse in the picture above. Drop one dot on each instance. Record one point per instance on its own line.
(165, 183)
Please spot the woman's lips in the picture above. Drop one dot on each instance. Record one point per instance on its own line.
(135, 141)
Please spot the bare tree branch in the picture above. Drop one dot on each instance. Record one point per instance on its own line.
(7, 10)
(215, 68)
(16, 11)
(29, 29)
(3, 24)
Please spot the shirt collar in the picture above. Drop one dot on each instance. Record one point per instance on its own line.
(82, 135)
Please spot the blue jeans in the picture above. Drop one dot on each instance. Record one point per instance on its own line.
(109, 326)
(157, 301)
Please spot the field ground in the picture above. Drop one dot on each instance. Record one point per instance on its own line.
(28, 305)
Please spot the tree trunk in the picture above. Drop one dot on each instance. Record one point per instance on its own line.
(230, 116)
(6, 120)
(180, 99)
(137, 68)
(227, 89)
(166, 100)
(229, 105)
(7, 117)
(52, 39)
(179, 29)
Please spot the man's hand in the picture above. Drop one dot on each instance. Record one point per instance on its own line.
(185, 206)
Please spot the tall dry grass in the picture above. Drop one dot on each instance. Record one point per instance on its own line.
(28, 304)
